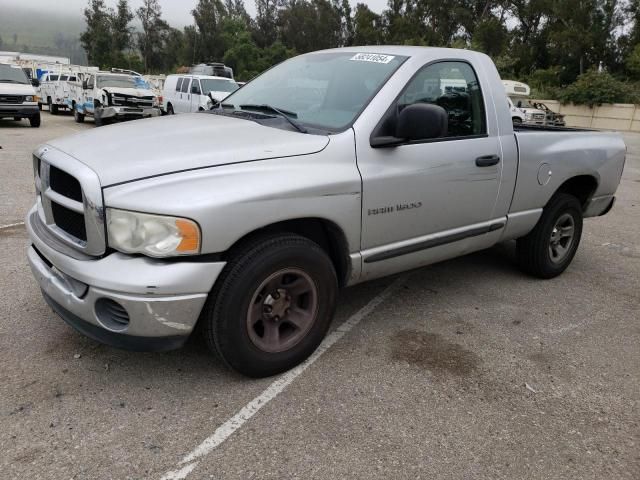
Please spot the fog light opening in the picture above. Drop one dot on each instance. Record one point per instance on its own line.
(111, 315)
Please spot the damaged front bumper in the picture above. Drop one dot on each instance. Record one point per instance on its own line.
(128, 112)
(130, 302)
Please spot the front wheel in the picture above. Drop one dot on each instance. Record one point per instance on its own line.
(170, 110)
(77, 116)
(272, 305)
(549, 248)
(516, 121)
(35, 121)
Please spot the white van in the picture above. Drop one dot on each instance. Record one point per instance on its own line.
(517, 115)
(193, 93)
(18, 98)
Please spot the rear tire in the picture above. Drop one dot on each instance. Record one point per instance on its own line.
(549, 248)
(271, 306)
(35, 121)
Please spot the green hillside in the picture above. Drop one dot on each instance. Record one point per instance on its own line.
(34, 31)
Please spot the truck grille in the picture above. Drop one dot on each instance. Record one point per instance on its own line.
(70, 201)
(11, 99)
(120, 100)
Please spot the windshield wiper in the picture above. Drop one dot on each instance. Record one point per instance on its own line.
(283, 113)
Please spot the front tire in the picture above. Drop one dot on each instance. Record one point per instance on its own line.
(35, 121)
(549, 248)
(77, 116)
(271, 306)
(170, 110)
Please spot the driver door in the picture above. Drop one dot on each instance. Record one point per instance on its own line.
(428, 200)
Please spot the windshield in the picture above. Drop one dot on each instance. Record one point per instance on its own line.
(118, 81)
(522, 103)
(327, 90)
(216, 85)
(9, 74)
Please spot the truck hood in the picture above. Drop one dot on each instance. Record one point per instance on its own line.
(137, 92)
(16, 89)
(162, 145)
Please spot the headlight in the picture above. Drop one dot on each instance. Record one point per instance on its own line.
(528, 116)
(157, 101)
(29, 98)
(152, 235)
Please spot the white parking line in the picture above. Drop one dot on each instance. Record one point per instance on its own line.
(225, 430)
(11, 225)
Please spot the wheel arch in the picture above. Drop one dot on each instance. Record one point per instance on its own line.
(327, 234)
(581, 186)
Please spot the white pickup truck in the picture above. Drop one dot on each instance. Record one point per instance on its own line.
(330, 169)
(109, 97)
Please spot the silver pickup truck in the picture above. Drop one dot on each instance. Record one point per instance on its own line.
(330, 169)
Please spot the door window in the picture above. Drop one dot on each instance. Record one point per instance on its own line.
(179, 84)
(195, 87)
(453, 86)
(185, 86)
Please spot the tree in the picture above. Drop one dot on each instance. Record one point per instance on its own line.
(120, 20)
(266, 28)
(208, 16)
(96, 39)
(152, 39)
(367, 26)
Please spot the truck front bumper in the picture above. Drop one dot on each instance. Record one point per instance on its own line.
(19, 111)
(135, 303)
(129, 112)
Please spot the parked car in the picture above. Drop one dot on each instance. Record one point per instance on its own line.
(109, 97)
(56, 91)
(330, 169)
(193, 93)
(18, 97)
(551, 118)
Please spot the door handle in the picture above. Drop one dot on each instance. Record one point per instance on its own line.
(487, 160)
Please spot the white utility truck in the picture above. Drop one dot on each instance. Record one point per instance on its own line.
(519, 94)
(109, 97)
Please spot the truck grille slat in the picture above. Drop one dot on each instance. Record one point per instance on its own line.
(69, 221)
(65, 184)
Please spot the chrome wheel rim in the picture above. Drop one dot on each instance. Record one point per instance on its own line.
(561, 239)
(282, 310)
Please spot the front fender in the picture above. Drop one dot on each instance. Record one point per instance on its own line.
(231, 201)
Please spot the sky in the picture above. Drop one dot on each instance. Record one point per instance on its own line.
(176, 12)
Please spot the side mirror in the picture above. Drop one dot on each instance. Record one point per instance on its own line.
(214, 103)
(420, 121)
(35, 82)
(85, 85)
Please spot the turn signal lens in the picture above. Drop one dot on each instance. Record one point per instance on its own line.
(190, 233)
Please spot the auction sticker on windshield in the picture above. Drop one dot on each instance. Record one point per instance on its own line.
(372, 57)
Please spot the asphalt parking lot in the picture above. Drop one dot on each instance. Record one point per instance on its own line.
(467, 369)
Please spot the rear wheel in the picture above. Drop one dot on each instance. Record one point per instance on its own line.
(35, 121)
(549, 248)
(271, 306)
